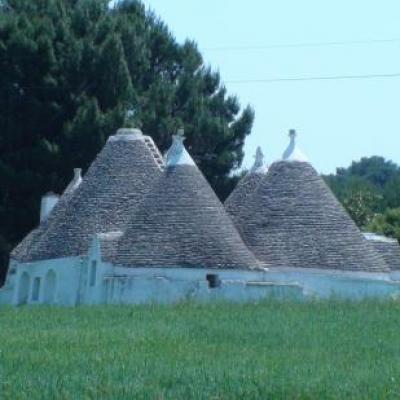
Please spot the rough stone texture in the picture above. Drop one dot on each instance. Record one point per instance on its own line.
(237, 202)
(388, 248)
(110, 191)
(108, 244)
(181, 223)
(390, 251)
(293, 219)
(23, 250)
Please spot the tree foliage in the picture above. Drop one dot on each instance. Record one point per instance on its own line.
(387, 223)
(359, 204)
(370, 191)
(69, 72)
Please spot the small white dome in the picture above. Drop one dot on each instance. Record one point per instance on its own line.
(177, 153)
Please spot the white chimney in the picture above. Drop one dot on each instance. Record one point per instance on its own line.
(77, 180)
(48, 202)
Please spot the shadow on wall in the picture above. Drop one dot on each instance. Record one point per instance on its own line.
(23, 288)
(49, 287)
(38, 289)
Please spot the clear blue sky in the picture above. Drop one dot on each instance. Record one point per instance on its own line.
(338, 120)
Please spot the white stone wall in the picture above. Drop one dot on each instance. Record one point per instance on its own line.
(88, 280)
(65, 291)
(168, 285)
(162, 285)
(343, 284)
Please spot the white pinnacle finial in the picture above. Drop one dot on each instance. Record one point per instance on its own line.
(177, 154)
(292, 152)
(259, 166)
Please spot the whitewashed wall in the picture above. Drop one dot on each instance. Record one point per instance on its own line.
(169, 285)
(118, 285)
(319, 283)
(141, 285)
(67, 272)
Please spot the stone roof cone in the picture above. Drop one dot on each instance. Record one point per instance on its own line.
(22, 252)
(237, 202)
(388, 248)
(115, 183)
(294, 220)
(182, 223)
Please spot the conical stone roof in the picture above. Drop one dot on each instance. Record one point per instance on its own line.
(294, 220)
(182, 223)
(388, 248)
(115, 183)
(237, 201)
(22, 252)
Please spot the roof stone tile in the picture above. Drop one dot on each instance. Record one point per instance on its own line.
(181, 223)
(113, 186)
(293, 219)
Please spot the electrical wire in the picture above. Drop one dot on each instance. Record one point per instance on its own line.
(315, 78)
(309, 44)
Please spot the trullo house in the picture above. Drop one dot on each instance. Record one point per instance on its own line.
(140, 228)
(135, 229)
(293, 223)
(48, 264)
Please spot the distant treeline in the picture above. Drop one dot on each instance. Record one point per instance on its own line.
(370, 191)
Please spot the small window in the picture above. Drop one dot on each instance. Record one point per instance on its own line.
(93, 273)
(23, 288)
(36, 289)
(213, 281)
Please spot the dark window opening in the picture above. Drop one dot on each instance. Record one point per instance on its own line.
(36, 289)
(213, 281)
(93, 273)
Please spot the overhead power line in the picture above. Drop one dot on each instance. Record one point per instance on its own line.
(305, 44)
(250, 81)
(315, 78)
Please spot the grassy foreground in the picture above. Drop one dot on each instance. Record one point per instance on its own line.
(327, 350)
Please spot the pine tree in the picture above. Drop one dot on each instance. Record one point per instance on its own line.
(70, 70)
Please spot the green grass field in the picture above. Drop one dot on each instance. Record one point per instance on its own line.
(326, 350)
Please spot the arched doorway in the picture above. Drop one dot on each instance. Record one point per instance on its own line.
(23, 288)
(50, 287)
